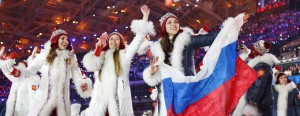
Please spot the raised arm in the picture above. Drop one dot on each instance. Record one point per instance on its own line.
(203, 40)
(207, 40)
(141, 28)
(20, 72)
(93, 60)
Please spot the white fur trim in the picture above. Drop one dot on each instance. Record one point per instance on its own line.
(11, 101)
(30, 59)
(151, 80)
(92, 62)
(238, 111)
(12, 78)
(154, 93)
(75, 109)
(251, 110)
(9, 63)
(88, 92)
(47, 45)
(147, 113)
(143, 48)
(142, 27)
(157, 51)
(206, 48)
(267, 58)
(10, 104)
(244, 56)
(283, 92)
(2, 64)
(182, 40)
(131, 50)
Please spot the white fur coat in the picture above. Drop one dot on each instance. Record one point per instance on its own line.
(113, 93)
(53, 91)
(21, 92)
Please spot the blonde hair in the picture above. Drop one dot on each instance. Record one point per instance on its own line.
(51, 56)
(117, 63)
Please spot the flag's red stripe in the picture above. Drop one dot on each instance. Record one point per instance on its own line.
(223, 100)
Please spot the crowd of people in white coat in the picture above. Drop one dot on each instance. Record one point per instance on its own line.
(110, 61)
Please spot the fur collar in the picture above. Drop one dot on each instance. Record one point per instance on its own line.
(288, 87)
(63, 53)
(282, 101)
(267, 58)
(182, 40)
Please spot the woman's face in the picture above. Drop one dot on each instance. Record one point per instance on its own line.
(114, 42)
(172, 26)
(283, 80)
(63, 42)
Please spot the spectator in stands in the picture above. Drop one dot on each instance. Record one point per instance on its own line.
(287, 96)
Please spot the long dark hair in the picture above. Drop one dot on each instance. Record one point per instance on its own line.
(168, 46)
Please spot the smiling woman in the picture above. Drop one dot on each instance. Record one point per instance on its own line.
(176, 48)
(286, 96)
(52, 97)
(110, 63)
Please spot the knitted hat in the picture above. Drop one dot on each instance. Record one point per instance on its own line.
(259, 48)
(163, 21)
(122, 44)
(55, 36)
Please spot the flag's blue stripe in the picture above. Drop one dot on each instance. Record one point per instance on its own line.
(186, 94)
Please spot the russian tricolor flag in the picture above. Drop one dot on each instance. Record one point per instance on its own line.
(217, 88)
